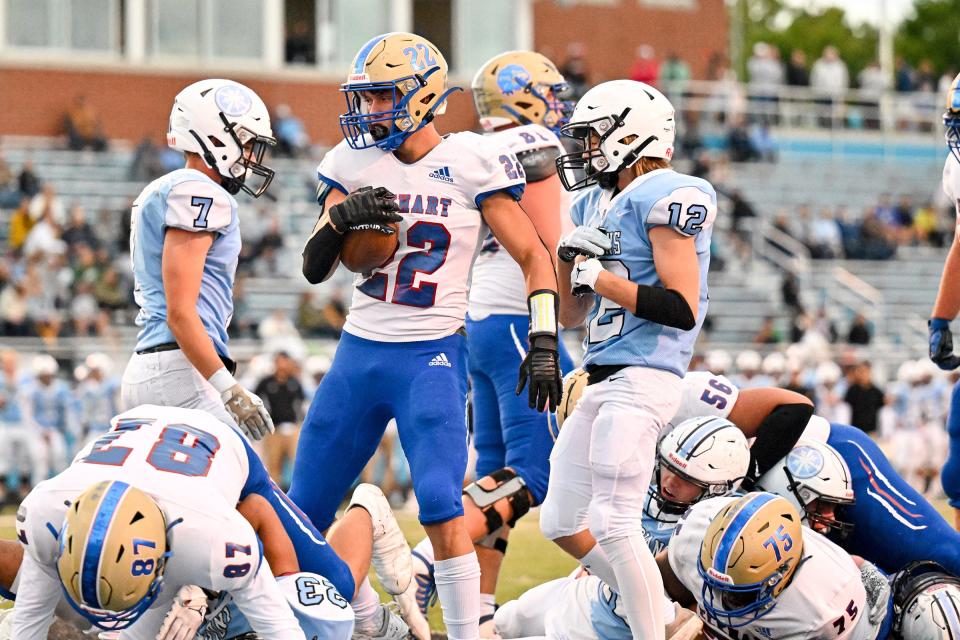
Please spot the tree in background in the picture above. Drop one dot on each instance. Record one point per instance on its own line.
(931, 33)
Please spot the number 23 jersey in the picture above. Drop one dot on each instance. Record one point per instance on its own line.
(421, 292)
(662, 197)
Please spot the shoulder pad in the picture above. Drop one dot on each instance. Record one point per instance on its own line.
(539, 164)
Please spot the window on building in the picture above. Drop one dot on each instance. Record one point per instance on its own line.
(65, 25)
(205, 29)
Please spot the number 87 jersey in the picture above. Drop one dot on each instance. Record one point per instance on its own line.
(662, 197)
(420, 293)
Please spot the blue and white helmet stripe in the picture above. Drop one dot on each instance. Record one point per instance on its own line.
(948, 609)
(689, 445)
(99, 530)
(361, 60)
(732, 533)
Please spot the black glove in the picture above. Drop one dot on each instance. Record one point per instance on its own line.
(365, 206)
(542, 368)
(941, 344)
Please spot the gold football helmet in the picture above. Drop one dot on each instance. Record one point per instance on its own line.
(113, 549)
(749, 553)
(520, 87)
(573, 385)
(413, 70)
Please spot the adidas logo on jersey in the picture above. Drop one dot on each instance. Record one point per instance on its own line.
(440, 360)
(443, 173)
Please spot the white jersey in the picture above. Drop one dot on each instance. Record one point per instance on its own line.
(498, 286)
(194, 467)
(705, 394)
(951, 182)
(421, 293)
(825, 600)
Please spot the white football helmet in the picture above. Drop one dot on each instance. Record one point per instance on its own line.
(812, 471)
(44, 365)
(98, 361)
(718, 361)
(774, 364)
(748, 360)
(627, 120)
(215, 119)
(926, 603)
(709, 452)
(828, 373)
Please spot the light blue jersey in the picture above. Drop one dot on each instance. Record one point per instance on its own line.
(184, 199)
(98, 402)
(53, 407)
(659, 198)
(657, 532)
(608, 619)
(10, 401)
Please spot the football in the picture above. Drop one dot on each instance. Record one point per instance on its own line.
(366, 249)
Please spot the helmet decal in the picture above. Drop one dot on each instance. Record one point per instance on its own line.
(805, 462)
(233, 100)
(513, 78)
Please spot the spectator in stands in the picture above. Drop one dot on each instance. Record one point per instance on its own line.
(279, 333)
(903, 76)
(85, 312)
(876, 242)
(790, 292)
(926, 78)
(825, 240)
(27, 181)
(283, 395)
(272, 238)
(44, 237)
(83, 127)
(20, 225)
(859, 331)
(830, 79)
(78, 231)
(645, 67)
(864, 397)
(575, 70)
(14, 309)
(926, 226)
(765, 76)
(321, 321)
(9, 192)
(873, 83)
(292, 138)
(147, 162)
(301, 47)
(241, 325)
(824, 326)
(48, 202)
(674, 76)
(768, 332)
(109, 290)
(739, 145)
(796, 72)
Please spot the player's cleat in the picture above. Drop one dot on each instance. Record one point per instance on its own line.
(686, 626)
(426, 585)
(410, 612)
(391, 627)
(391, 553)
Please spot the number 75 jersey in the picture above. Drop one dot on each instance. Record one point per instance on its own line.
(420, 293)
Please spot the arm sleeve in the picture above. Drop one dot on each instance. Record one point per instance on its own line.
(777, 435)
(197, 205)
(497, 170)
(687, 210)
(263, 604)
(664, 306)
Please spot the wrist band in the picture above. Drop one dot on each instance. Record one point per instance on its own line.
(222, 380)
(543, 312)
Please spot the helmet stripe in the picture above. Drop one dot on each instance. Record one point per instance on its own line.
(364, 52)
(948, 608)
(689, 444)
(90, 569)
(729, 538)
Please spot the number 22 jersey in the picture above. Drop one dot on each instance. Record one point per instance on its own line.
(662, 197)
(421, 292)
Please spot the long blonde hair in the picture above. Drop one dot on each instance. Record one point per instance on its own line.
(644, 164)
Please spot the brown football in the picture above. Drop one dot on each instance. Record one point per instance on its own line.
(367, 249)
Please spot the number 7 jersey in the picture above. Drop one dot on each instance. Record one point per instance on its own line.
(662, 197)
(420, 293)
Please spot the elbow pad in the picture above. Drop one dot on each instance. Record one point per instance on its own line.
(664, 306)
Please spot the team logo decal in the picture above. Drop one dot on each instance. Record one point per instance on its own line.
(233, 100)
(804, 462)
(512, 78)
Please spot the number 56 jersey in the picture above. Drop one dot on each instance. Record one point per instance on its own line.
(421, 292)
(662, 197)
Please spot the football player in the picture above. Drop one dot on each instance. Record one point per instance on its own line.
(196, 468)
(402, 353)
(98, 395)
(184, 244)
(755, 572)
(635, 268)
(516, 95)
(947, 305)
(50, 411)
(926, 603)
(912, 528)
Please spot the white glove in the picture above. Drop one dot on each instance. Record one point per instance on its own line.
(583, 241)
(185, 615)
(244, 407)
(878, 592)
(584, 276)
